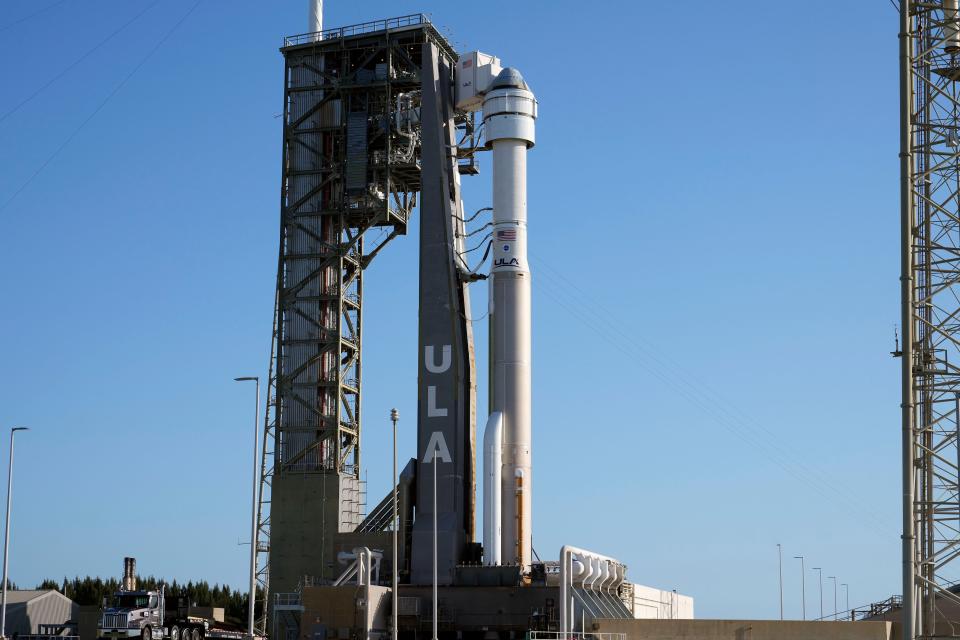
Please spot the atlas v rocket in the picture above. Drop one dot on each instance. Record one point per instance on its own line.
(447, 386)
(509, 111)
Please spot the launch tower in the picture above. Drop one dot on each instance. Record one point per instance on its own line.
(351, 173)
(930, 289)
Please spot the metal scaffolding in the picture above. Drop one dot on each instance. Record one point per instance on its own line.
(351, 174)
(930, 289)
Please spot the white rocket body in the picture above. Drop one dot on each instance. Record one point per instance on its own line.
(509, 112)
(492, 465)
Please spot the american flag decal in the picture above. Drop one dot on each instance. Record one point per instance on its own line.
(507, 234)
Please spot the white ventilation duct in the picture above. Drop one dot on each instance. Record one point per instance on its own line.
(315, 16)
(588, 570)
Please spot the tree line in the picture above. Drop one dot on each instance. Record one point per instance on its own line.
(92, 591)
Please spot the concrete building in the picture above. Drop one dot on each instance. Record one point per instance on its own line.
(39, 612)
(747, 629)
(656, 604)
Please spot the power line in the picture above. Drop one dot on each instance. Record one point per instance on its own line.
(116, 90)
(699, 395)
(77, 61)
(32, 15)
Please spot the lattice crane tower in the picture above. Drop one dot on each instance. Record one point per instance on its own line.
(930, 289)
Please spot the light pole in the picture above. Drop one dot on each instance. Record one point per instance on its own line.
(780, 568)
(846, 593)
(394, 416)
(834, 578)
(6, 534)
(820, 571)
(436, 448)
(253, 512)
(803, 585)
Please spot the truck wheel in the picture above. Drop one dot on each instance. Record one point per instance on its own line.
(174, 632)
(196, 635)
(146, 634)
(184, 634)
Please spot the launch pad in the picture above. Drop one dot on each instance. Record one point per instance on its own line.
(380, 119)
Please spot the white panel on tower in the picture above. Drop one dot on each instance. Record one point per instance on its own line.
(475, 73)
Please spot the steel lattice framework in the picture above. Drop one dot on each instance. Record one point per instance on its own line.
(930, 174)
(351, 175)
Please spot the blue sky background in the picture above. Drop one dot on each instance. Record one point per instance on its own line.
(713, 232)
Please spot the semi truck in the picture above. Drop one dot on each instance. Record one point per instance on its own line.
(133, 614)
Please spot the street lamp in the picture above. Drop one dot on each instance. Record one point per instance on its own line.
(820, 571)
(834, 578)
(436, 450)
(780, 567)
(253, 512)
(846, 593)
(6, 534)
(394, 416)
(803, 584)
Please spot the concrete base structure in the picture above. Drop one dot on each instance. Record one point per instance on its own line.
(746, 629)
(468, 613)
(311, 513)
(339, 612)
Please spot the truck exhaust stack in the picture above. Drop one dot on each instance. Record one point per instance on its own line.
(129, 582)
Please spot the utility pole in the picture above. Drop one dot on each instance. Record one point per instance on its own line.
(846, 593)
(803, 585)
(394, 416)
(436, 449)
(820, 571)
(6, 535)
(253, 513)
(834, 578)
(780, 568)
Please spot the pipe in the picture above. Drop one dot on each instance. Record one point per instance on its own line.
(522, 560)
(908, 539)
(605, 575)
(315, 16)
(129, 574)
(492, 462)
(951, 32)
(593, 566)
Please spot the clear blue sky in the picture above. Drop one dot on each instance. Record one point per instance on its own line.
(713, 227)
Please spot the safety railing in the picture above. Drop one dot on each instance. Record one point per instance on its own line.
(574, 635)
(358, 29)
(286, 600)
(874, 610)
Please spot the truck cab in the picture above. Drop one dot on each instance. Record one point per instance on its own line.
(143, 615)
(133, 614)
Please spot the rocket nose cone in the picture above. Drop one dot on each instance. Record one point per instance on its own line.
(509, 78)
